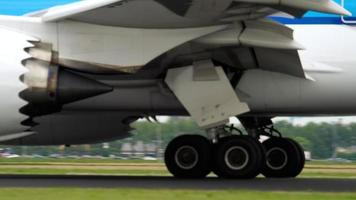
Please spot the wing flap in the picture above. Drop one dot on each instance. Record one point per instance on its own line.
(182, 14)
(326, 6)
(279, 60)
(69, 10)
(268, 34)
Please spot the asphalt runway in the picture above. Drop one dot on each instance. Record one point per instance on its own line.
(262, 184)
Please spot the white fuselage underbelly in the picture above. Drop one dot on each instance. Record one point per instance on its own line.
(328, 92)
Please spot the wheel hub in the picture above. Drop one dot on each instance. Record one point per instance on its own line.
(186, 157)
(236, 158)
(277, 158)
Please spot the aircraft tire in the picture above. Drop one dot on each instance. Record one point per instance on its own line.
(238, 157)
(284, 158)
(188, 156)
(300, 167)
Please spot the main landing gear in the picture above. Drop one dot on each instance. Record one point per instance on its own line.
(236, 156)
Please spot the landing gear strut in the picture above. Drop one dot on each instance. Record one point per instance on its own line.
(236, 156)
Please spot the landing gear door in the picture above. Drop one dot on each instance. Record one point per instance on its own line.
(350, 5)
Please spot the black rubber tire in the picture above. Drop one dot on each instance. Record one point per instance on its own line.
(300, 167)
(295, 158)
(201, 145)
(254, 164)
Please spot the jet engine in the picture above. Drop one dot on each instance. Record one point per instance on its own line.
(49, 87)
(32, 86)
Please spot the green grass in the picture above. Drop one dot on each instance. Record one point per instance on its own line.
(336, 175)
(69, 160)
(35, 171)
(138, 194)
(326, 162)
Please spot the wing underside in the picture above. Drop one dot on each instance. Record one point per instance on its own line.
(271, 45)
(185, 13)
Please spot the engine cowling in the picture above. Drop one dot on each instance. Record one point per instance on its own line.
(50, 87)
(11, 55)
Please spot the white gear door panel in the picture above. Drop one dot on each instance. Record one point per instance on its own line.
(206, 93)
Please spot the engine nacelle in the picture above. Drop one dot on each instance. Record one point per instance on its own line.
(11, 55)
(50, 87)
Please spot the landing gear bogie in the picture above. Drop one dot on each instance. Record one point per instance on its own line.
(236, 156)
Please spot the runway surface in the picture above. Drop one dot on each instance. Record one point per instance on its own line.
(322, 185)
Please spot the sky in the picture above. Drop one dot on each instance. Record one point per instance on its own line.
(21, 7)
